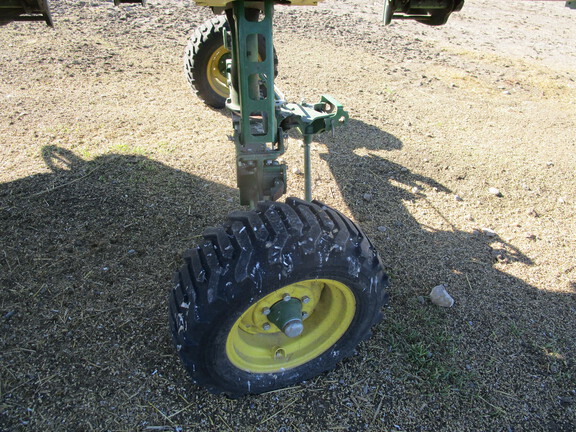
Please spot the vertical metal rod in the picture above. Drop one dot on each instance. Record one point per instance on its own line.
(307, 168)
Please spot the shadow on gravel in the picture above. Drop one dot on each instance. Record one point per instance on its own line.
(502, 333)
(87, 256)
(86, 259)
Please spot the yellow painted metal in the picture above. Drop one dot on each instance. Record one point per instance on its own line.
(255, 345)
(224, 3)
(214, 71)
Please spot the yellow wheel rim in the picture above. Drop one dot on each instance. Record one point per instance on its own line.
(255, 345)
(216, 71)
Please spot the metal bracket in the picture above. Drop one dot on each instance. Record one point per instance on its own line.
(261, 117)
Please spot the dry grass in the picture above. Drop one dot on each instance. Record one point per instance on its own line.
(110, 168)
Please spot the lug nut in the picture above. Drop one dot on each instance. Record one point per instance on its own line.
(266, 310)
(266, 326)
(304, 315)
(305, 299)
(286, 297)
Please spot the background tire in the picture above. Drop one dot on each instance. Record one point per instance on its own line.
(205, 62)
(218, 306)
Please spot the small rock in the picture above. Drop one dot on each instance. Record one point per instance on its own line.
(382, 228)
(533, 213)
(415, 189)
(561, 200)
(403, 169)
(506, 92)
(488, 232)
(458, 198)
(131, 252)
(297, 171)
(495, 191)
(469, 218)
(440, 297)
(530, 236)
(500, 256)
(421, 299)
(566, 400)
(367, 197)
(550, 163)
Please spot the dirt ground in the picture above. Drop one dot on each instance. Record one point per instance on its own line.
(110, 168)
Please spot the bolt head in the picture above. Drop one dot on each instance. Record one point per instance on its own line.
(266, 326)
(304, 315)
(293, 329)
(305, 299)
(286, 297)
(266, 311)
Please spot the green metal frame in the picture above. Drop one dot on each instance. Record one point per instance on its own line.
(261, 121)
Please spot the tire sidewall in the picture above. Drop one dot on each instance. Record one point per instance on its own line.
(199, 51)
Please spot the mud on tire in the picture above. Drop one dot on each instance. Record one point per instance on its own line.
(220, 294)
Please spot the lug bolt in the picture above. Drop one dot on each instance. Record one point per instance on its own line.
(266, 310)
(266, 326)
(286, 297)
(305, 299)
(304, 315)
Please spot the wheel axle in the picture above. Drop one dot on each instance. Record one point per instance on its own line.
(287, 316)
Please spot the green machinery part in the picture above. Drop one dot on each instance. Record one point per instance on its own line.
(431, 12)
(25, 10)
(261, 118)
(36, 10)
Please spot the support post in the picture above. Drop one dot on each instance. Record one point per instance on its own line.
(259, 141)
(307, 168)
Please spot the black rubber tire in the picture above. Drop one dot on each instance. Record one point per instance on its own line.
(252, 255)
(205, 41)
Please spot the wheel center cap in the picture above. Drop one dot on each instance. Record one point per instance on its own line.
(287, 316)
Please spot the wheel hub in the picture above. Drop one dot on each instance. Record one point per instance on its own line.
(287, 316)
(291, 326)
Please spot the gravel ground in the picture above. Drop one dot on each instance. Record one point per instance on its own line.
(110, 168)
